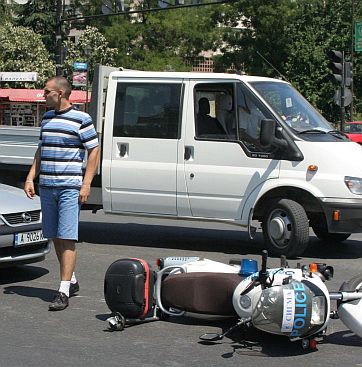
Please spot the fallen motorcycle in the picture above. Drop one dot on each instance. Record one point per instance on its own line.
(294, 302)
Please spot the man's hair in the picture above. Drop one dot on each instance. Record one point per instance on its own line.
(62, 83)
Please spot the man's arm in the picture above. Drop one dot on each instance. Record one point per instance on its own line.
(90, 171)
(33, 173)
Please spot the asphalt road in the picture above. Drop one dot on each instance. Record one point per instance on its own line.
(79, 336)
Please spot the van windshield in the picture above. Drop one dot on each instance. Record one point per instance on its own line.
(292, 107)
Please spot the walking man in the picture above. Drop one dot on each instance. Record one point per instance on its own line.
(65, 135)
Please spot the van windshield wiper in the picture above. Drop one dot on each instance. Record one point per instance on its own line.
(337, 133)
(312, 131)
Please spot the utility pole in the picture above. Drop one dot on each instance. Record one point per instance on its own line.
(58, 38)
(352, 53)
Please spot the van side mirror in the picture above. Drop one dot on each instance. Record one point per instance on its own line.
(267, 132)
(267, 138)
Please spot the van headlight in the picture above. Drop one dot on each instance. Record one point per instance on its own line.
(354, 184)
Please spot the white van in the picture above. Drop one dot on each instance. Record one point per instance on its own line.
(230, 148)
(218, 147)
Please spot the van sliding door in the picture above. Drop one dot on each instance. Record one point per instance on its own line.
(146, 131)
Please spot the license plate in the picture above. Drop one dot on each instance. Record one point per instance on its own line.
(26, 238)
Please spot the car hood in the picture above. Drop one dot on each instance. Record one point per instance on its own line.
(14, 200)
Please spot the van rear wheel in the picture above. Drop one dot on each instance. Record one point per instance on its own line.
(285, 228)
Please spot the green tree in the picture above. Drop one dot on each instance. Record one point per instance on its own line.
(254, 28)
(357, 78)
(163, 40)
(93, 42)
(21, 49)
(293, 37)
(40, 16)
(319, 26)
(5, 12)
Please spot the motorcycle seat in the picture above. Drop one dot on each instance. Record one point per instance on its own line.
(204, 292)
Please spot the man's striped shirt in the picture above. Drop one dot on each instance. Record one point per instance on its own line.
(64, 138)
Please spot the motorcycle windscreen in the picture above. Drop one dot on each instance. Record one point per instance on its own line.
(291, 309)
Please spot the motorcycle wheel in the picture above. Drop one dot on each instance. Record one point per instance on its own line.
(286, 228)
(355, 283)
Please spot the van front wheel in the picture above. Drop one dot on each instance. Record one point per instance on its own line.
(286, 228)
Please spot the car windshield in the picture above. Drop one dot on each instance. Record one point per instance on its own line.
(292, 107)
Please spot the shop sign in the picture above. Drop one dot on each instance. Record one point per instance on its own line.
(80, 66)
(79, 78)
(18, 76)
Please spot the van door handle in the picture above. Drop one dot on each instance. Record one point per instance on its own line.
(123, 148)
(188, 153)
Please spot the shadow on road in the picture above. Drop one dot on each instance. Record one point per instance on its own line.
(349, 249)
(173, 237)
(201, 239)
(42, 293)
(21, 273)
(252, 342)
(345, 337)
(246, 341)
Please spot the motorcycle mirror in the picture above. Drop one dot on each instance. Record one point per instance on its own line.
(211, 337)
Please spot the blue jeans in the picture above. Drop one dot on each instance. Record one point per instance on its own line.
(60, 212)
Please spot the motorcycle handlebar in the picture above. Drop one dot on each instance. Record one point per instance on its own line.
(263, 274)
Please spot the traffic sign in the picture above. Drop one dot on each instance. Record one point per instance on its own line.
(347, 97)
(358, 36)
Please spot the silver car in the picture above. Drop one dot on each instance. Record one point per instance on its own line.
(21, 237)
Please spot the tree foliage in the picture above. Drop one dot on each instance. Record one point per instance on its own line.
(291, 38)
(40, 16)
(162, 40)
(92, 47)
(270, 38)
(22, 50)
(319, 26)
(254, 31)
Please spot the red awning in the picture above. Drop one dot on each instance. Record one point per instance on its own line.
(36, 95)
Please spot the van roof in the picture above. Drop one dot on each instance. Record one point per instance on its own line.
(188, 75)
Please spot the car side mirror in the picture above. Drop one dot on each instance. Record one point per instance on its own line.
(267, 132)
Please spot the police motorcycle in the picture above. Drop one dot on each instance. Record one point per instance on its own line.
(294, 302)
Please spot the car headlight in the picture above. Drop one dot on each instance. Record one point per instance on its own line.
(1, 222)
(354, 184)
(318, 310)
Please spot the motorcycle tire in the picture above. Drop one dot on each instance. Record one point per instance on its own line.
(355, 283)
(351, 285)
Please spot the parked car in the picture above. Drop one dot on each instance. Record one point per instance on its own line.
(21, 237)
(354, 131)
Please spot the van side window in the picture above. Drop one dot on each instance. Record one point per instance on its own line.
(147, 110)
(214, 111)
(250, 112)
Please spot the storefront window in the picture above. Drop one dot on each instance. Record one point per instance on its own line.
(21, 114)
